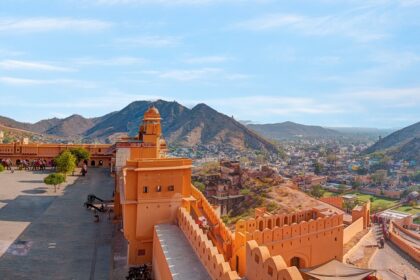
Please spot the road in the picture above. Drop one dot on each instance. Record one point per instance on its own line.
(52, 235)
(392, 263)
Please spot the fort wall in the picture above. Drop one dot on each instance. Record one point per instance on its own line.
(262, 265)
(160, 265)
(336, 201)
(353, 229)
(305, 240)
(208, 254)
(402, 244)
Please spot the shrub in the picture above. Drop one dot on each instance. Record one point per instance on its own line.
(1, 168)
(66, 162)
(55, 179)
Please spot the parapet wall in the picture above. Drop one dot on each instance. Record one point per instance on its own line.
(306, 240)
(336, 201)
(272, 221)
(262, 266)
(211, 259)
(353, 229)
(402, 244)
(212, 215)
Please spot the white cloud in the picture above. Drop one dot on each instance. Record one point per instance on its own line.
(361, 26)
(260, 106)
(206, 59)
(12, 81)
(148, 41)
(32, 65)
(44, 24)
(188, 75)
(172, 2)
(199, 74)
(114, 61)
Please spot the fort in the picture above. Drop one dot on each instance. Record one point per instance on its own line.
(152, 189)
(156, 203)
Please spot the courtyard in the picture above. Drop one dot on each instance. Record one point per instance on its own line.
(50, 235)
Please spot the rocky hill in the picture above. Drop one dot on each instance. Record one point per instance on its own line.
(291, 130)
(399, 137)
(402, 144)
(182, 126)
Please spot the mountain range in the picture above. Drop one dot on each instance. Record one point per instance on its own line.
(182, 126)
(401, 144)
(290, 130)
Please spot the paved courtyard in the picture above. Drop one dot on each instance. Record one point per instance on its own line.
(50, 235)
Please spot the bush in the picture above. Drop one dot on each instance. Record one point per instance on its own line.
(1, 168)
(55, 179)
(66, 162)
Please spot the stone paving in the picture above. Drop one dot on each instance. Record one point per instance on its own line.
(48, 235)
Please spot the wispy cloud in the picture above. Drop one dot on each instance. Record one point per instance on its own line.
(148, 41)
(13, 81)
(188, 75)
(114, 61)
(199, 74)
(32, 65)
(358, 25)
(206, 59)
(45, 24)
(171, 2)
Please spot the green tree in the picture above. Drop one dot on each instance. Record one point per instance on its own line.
(1, 168)
(55, 179)
(317, 191)
(80, 154)
(319, 167)
(66, 162)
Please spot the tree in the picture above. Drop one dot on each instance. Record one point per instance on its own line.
(317, 191)
(80, 153)
(1, 168)
(55, 179)
(319, 167)
(66, 162)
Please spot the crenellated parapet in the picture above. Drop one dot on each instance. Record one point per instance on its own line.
(262, 265)
(208, 254)
(306, 238)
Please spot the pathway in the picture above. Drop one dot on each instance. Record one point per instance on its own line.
(60, 239)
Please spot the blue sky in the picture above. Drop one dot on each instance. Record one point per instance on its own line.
(326, 62)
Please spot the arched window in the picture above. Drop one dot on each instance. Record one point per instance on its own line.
(269, 224)
(261, 226)
(278, 222)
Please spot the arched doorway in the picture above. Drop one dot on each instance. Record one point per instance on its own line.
(92, 163)
(286, 220)
(269, 224)
(293, 219)
(101, 163)
(298, 262)
(278, 222)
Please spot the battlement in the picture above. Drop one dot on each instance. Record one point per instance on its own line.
(208, 254)
(262, 265)
(302, 235)
(270, 222)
